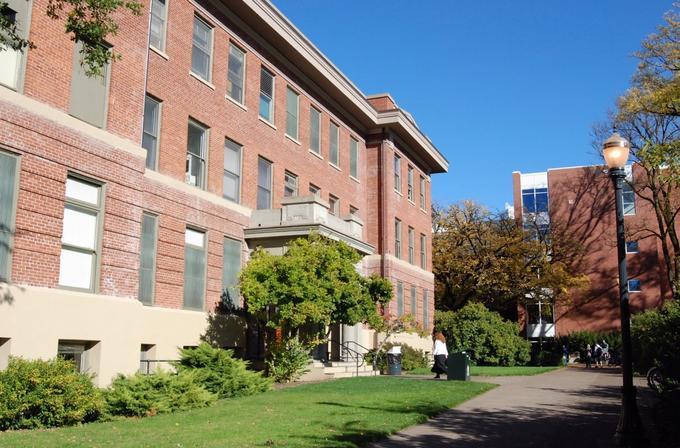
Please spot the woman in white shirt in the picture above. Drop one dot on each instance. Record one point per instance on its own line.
(440, 354)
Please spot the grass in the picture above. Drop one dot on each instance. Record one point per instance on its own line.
(341, 413)
(494, 371)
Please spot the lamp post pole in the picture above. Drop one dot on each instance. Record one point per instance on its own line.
(629, 428)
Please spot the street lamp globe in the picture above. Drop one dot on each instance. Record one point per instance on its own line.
(616, 150)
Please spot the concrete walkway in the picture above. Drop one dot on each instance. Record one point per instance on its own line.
(565, 408)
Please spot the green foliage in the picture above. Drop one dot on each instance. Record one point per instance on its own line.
(655, 336)
(288, 360)
(220, 373)
(484, 335)
(315, 281)
(145, 395)
(411, 358)
(41, 394)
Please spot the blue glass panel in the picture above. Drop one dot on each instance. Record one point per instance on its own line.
(529, 202)
(541, 202)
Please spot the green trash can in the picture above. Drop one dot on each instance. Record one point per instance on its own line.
(458, 367)
(394, 361)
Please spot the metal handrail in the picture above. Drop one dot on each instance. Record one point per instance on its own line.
(359, 358)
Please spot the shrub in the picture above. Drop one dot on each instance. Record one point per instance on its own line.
(220, 373)
(288, 360)
(411, 358)
(484, 335)
(40, 394)
(655, 338)
(145, 395)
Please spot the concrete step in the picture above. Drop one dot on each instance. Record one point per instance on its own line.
(341, 369)
(354, 374)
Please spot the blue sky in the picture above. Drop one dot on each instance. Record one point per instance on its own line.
(497, 85)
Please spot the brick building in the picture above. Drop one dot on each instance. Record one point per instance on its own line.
(578, 204)
(129, 202)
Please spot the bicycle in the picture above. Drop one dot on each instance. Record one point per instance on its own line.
(657, 380)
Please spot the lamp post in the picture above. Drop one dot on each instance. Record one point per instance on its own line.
(629, 429)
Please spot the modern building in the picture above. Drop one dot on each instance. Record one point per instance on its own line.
(129, 202)
(577, 205)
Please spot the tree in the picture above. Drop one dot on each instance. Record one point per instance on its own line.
(89, 22)
(648, 115)
(314, 282)
(479, 257)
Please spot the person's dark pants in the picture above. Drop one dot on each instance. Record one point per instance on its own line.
(439, 366)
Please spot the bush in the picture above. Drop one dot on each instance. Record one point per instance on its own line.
(484, 335)
(655, 337)
(220, 373)
(411, 358)
(288, 360)
(41, 394)
(145, 395)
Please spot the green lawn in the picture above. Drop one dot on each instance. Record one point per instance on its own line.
(341, 413)
(494, 371)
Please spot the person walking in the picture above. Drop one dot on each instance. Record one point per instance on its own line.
(565, 355)
(440, 354)
(605, 353)
(589, 357)
(597, 354)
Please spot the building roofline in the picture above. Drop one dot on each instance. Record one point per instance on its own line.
(283, 27)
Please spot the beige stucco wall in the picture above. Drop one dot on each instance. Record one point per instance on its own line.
(35, 319)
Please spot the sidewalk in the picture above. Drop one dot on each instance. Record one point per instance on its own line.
(565, 408)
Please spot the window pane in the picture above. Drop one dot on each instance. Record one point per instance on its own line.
(314, 132)
(232, 170)
(400, 298)
(201, 49)
(264, 184)
(157, 34)
(397, 173)
(541, 202)
(632, 247)
(529, 203)
(235, 73)
(75, 269)
(232, 266)
(426, 310)
(353, 158)
(8, 172)
(195, 140)
(194, 237)
(88, 100)
(80, 228)
(266, 94)
(290, 187)
(292, 100)
(333, 151)
(147, 258)
(82, 191)
(413, 301)
(194, 277)
(150, 135)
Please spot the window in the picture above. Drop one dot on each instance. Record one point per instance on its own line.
(292, 112)
(9, 169)
(266, 95)
(88, 100)
(426, 309)
(334, 205)
(397, 238)
(397, 173)
(313, 189)
(409, 184)
(194, 269)
(231, 181)
(333, 155)
(535, 200)
(353, 210)
(411, 245)
(197, 149)
(422, 192)
(76, 352)
(159, 16)
(353, 158)
(147, 258)
(634, 285)
(632, 247)
(423, 251)
(231, 259)
(4, 352)
(11, 61)
(264, 183)
(81, 234)
(628, 199)
(201, 49)
(236, 73)
(290, 187)
(400, 299)
(152, 115)
(147, 354)
(315, 130)
(414, 306)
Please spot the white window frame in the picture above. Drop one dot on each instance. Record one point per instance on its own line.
(411, 245)
(290, 182)
(238, 175)
(242, 101)
(637, 245)
(423, 251)
(205, 143)
(164, 31)
(397, 238)
(397, 173)
(210, 49)
(270, 186)
(271, 99)
(159, 110)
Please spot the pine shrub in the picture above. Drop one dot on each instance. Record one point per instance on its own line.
(288, 360)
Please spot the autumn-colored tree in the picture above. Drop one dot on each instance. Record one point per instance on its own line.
(482, 257)
(648, 115)
(314, 282)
